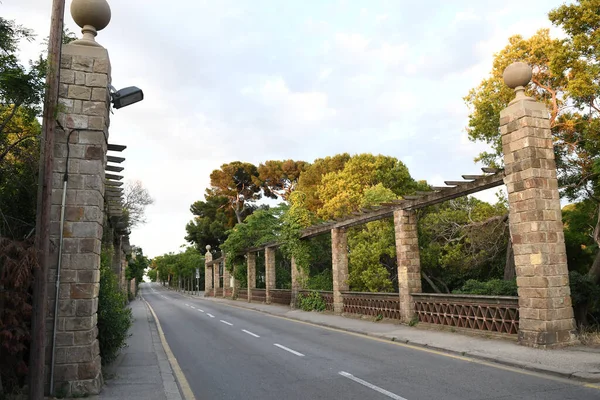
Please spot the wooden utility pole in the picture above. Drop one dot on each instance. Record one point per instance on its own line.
(37, 357)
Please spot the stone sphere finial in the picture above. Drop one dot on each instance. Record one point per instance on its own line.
(517, 74)
(208, 247)
(92, 16)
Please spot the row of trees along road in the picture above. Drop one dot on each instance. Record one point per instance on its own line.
(464, 243)
(21, 94)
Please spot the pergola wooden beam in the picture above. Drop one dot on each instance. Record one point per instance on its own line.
(116, 147)
(114, 168)
(114, 159)
(113, 177)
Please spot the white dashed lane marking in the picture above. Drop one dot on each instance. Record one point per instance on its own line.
(288, 349)
(210, 315)
(227, 323)
(250, 333)
(371, 386)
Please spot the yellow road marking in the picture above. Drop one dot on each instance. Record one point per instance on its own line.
(183, 383)
(421, 348)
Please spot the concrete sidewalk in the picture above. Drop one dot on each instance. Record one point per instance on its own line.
(142, 370)
(578, 362)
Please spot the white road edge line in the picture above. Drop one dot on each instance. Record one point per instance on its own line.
(288, 349)
(210, 315)
(371, 386)
(227, 323)
(250, 333)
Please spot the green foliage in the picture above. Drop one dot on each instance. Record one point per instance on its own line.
(321, 281)
(170, 268)
(493, 287)
(114, 317)
(278, 179)
(136, 267)
(584, 291)
(212, 220)
(578, 229)
(312, 301)
(237, 181)
(343, 192)
(152, 275)
(463, 239)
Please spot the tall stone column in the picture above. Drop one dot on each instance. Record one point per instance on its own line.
(409, 262)
(208, 273)
(339, 255)
(251, 274)
(226, 277)
(216, 276)
(269, 272)
(80, 151)
(535, 220)
(299, 281)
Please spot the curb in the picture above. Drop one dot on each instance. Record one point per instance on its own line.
(184, 387)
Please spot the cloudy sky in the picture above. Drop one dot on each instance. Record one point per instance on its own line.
(254, 80)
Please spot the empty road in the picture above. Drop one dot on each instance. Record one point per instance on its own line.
(231, 353)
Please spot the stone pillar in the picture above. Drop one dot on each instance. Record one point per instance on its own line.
(339, 256)
(409, 262)
(216, 276)
(299, 281)
(535, 220)
(269, 272)
(251, 274)
(226, 277)
(84, 113)
(208, 273)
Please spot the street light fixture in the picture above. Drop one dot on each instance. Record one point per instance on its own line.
(125, 97)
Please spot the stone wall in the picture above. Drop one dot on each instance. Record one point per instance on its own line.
(251, 274)
(84, 105)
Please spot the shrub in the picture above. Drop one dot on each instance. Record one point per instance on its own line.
(312, 301)
(494, 287)
(114, 317)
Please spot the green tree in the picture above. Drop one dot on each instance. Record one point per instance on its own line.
(342, 192)
(212, 219)
(136, 266)
(280, 178)
(237, 181)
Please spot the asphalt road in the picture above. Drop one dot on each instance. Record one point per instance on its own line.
(232, 353)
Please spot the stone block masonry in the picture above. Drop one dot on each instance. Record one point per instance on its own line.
(251, 274)
(339, 252)
(535, 220)
(409, 261)
(269, 272)
(85, 70)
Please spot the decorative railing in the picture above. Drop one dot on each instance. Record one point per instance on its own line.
(281, 296)
(218, 292)
(326, 295)
(386, 305)
(259, 295)
(228, 292)
(488, 313)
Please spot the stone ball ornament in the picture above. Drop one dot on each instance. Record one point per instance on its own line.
(92, 16)
(517, 74)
